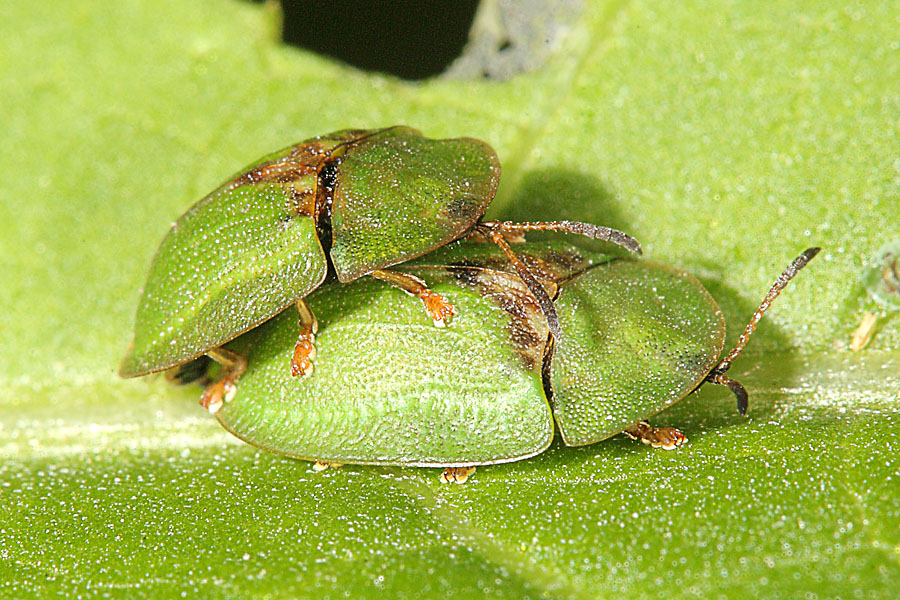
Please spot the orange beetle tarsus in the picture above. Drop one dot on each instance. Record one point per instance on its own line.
(304, 352)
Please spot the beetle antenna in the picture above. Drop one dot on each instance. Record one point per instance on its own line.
(493, 231)
(596, 232)
(717, 375)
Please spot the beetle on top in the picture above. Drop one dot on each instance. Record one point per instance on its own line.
(342, 205)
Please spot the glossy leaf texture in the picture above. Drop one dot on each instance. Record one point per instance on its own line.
(725, 136)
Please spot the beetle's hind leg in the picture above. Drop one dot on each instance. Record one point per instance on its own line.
(305, 348)
(456, 474)
(438, 307)
(319, 466)
(667, 438)
(223, 390)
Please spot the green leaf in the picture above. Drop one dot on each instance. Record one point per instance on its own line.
(727, 137)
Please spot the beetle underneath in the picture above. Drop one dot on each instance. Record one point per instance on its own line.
(638, 336)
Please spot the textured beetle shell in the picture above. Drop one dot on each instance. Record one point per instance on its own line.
(639, 336)
(231, 262)
(246, 251)
(398, 197)
(389, 388)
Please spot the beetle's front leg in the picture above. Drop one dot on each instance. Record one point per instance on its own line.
(667, 438)
(223, 390)
(305, 349)
(439, 308)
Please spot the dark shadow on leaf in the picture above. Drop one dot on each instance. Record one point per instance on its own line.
(412, 40)
(559, 194)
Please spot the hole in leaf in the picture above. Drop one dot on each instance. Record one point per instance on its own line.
(412, 40)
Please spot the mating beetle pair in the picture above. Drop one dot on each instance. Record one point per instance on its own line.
(391, 390)
(353, 203)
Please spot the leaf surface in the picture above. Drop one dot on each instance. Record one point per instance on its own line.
(725, 137)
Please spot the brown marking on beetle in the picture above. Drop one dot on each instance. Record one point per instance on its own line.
(553, 267)
(302, 200)
(328, 179)
(488, 263)
(302, 159)
(495, 279)
(311, 157)
(457, 209)
(527, 326)
(284, 170)
(464, 271)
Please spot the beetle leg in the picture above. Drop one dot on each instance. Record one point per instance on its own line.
(456, 474)
(320, 466)
(305, 348)
(667, 438)
(223, 390)
(596, 232)
(438, 307)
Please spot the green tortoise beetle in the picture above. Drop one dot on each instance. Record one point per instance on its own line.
(390, 390)
(351, 203)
